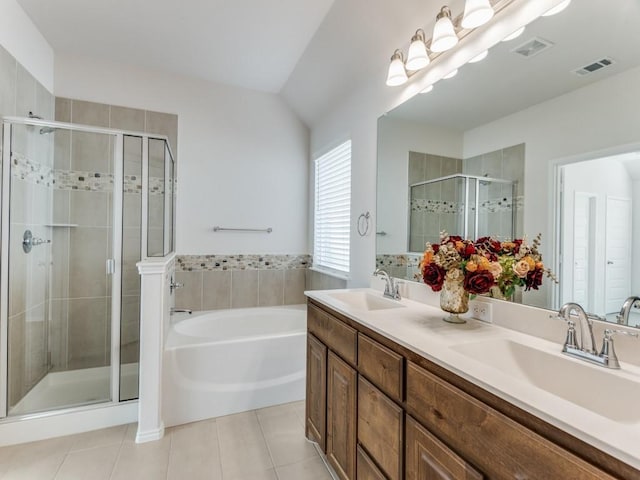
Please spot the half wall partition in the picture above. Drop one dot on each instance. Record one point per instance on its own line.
(80, 207)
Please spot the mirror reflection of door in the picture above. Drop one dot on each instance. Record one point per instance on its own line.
(617, 253)
(596, 232)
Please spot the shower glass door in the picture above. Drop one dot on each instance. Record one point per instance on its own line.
(62, 267)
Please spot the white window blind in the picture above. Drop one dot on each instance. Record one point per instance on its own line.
(332, 209)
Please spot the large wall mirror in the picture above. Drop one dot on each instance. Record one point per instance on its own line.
(543, 136)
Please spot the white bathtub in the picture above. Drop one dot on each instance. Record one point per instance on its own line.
(228, 361)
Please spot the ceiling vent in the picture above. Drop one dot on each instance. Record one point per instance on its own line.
(532, 47)
(594, 66)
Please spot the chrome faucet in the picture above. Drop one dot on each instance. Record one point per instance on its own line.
(180, 310)
(623, 316)
(585, 349)
(391, 288)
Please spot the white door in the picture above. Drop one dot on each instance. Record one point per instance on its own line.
(582, 255)
(618, 253)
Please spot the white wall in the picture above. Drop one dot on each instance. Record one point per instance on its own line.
(242, 154)
(20, 37)
(396, 139)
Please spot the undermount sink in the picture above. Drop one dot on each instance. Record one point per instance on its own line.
(592, 387)
(365, 301)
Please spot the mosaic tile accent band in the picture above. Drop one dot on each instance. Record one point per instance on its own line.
(401, 260)
(36, 173)
(488, 206)
(189, 263)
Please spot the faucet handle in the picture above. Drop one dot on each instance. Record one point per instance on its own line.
(608, 353)
(571, 341)
(609, 333)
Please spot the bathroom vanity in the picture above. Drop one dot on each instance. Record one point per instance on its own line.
(395, 393)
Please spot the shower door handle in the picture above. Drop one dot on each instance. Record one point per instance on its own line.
(111, 266)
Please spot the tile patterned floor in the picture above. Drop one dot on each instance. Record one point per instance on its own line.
(266, 444)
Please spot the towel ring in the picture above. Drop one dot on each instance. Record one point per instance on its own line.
(363, 224)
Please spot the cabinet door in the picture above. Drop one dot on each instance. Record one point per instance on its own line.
(367, 470)
(429, 459)
(316, 401)
(380, 428)
(341, 417)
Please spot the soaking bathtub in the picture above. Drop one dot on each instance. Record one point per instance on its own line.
(228, 361)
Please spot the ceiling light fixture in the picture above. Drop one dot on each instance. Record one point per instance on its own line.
(481, 56)
(557, 9)
(417, 57)
(513, 35)
(476, 13)
(447, 32)
(397, 74)
(444, 35)
(451, 74)
(427, 90)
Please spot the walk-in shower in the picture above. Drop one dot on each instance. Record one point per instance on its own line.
(80, 207)
(465, 205)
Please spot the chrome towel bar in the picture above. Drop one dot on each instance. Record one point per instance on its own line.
(221, 229)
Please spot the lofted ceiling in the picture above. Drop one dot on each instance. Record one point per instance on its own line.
(254, 44)
(312, 52)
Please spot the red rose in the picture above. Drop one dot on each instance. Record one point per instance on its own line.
(478, 282)
(435, 247)
(433, 275)
(469, 250)
(533, 279)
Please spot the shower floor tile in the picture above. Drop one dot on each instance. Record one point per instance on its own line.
(261, 444)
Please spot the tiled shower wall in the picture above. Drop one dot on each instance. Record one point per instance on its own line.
(213, 282)
(442, 198)
(82, 299)
(508, 164)
(21, 93)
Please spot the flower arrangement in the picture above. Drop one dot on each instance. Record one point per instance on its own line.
(483, 264)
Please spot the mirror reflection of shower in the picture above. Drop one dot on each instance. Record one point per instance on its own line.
(464, 205)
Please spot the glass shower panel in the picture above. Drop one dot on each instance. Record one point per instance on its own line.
(156, 198)
(60, 229)
(131, 254)
(169, 189)
(496, 209)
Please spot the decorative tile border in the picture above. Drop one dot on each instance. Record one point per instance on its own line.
(398, 260)
(31, 171)
(420, 205)
(189, 263)
(35, 173)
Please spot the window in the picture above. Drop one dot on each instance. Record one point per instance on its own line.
(332, 209)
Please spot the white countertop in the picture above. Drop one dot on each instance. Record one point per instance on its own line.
(420, 328)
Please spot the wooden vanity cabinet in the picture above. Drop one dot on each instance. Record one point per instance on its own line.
(381, 411)
(341, 417)
(316, 393)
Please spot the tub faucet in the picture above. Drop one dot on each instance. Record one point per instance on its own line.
(623, 316)
(180, 310)
(391, 288)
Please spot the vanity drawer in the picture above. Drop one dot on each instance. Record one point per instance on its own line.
(383, 367)
(366, 469)
(334, 333)
(380, 428)
(501, 448)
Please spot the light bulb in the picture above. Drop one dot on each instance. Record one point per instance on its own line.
(444, 35)
(451, 74)
(481, 56)
(513, 35)
(557, 9)
(417, 57)
(476, 13)
(397, 74)
(427, 90)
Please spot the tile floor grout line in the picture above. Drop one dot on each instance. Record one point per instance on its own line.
(219, 450)
(264, 438)
(115, 463)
